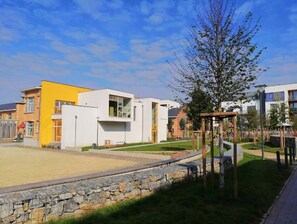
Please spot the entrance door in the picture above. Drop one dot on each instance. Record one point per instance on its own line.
(57, 130)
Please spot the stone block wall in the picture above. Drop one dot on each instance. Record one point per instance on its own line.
(290, 141)
(43, 204)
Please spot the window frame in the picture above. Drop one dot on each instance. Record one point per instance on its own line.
(30, 104)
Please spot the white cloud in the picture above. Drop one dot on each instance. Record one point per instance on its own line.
(155, 19)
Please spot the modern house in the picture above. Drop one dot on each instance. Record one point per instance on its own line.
(72, 116)
(7, 120)
(113, 117)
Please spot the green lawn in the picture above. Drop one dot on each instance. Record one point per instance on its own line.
(86, 148)
(267, 148)
(175, 146)
(187, 203)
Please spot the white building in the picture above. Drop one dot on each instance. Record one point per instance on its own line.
(273, 98)
(115, 117)
(243, 106)
(278, 94)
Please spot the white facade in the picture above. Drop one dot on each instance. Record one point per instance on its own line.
(170, 104)
(114, 116)
(241, 107)
(275, 95)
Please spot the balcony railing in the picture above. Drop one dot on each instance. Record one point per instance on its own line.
(58, 110)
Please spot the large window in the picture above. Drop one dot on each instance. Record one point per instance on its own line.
(293, 95)
(57, 130)
(119, 106)
(9, 116)
(1, 117)
(59, 104)
(293, 107)
(29, 128)
(276, 96)
(30, 105)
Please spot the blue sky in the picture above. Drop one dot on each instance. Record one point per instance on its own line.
(121, 44)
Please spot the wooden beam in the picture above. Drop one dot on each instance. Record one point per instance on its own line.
(219, 114)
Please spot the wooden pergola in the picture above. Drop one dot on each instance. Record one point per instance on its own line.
(218, 116)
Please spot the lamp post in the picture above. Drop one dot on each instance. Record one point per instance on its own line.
(261, 89)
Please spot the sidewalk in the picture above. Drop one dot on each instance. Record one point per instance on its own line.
(285, 208)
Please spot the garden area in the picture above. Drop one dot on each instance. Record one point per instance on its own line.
(259, 184)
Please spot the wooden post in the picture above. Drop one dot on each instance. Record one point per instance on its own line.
(235, 156)
(291, 155)
(286, 158)
(212, 153)
(204, 154)
(193, 141)
(281, 139)
(278, 161)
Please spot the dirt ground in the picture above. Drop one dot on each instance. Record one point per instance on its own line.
(25, 165)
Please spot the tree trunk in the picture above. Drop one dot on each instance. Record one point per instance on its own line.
(255, 142)
(221, 152)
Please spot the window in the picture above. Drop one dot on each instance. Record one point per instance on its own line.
(9, 117)
(119, 106)
(251, 108)
(276, 96)
(57, 130)
(29, 128)
(293, 107)
(274, 106)
(59, 104)
(1, 117)
(293, 95)
(30, 105)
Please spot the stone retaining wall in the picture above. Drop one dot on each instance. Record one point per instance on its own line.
(43, 204)
(290, 141)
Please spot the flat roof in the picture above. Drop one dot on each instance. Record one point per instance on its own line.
(8, 107)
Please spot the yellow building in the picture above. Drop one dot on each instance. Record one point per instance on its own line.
(42, 118)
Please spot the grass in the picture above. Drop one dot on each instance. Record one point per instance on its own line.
(87, 148)
(267, 148)
(259, 184)
(176, 146)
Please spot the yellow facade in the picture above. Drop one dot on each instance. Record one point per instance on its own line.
(50, 92)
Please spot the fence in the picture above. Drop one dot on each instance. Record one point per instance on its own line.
(7, 129)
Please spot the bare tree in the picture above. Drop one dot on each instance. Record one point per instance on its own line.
(221, 58)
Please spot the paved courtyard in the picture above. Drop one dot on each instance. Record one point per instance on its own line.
(20, 165)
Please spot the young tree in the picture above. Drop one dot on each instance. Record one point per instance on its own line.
(200, 103)
(252, 122)
(170, 126)
(221, 58)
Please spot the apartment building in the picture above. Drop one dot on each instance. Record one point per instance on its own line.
(278, 94)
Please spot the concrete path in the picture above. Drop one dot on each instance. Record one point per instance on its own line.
(285, 208)
(130, 154)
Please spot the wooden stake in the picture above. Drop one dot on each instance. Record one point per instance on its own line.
(235, 157)
(204, 154)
